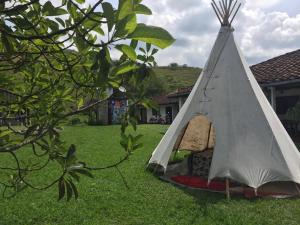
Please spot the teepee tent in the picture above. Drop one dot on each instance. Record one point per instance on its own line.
(250, 145)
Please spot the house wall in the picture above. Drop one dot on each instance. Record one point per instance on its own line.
(98, 115)
(102, 111)
(149, 115)
(175, 110)
(181, 101)
(117, 108)
(162, 111)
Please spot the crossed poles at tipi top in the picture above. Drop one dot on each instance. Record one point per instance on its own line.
(226, 11)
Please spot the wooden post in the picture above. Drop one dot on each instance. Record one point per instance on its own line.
(255, 192)
(227, 189)
(273, 97)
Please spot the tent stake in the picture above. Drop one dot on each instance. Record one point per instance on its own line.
(227, 189)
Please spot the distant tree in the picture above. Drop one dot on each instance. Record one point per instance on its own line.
(173, 65)
(56, 55)
(154, 86)
(184, 65)
(294, 112)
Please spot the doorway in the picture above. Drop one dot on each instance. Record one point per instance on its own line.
(143, 115)
(169, 115)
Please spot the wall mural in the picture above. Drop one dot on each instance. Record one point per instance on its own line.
(118, 109)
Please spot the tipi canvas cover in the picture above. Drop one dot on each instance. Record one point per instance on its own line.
(251, 145)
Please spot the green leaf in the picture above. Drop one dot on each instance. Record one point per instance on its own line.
(143, 50)
(59, 11)
(152, 35)
(84, 172)
(58, 19)
(108, 12)
(148, 103)
(74, 189)
(154, 51)
(52, 25)
(29, 131)
(71, 151)
(80, 1)
(133, 121)
(5, 133)
(138, 137)
(142, 9)
(81, 45)
(104, 62)
(8, 46)
(129, 143)
(148, 47)
(80, 103)
(21, 23)
(75, 176)
(134, 44)
(93, 25)
(61, 188)
(135, 147)
(126, 26)
(142, 58)
(47, 8)
(50, 10)
(71, 9)
(69, 191)
(128, 51)
(124, 68)
(125, 8)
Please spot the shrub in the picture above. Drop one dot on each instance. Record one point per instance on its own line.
(75, 121)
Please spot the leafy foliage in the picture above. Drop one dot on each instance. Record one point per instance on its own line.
(55, 63)
(294, 112)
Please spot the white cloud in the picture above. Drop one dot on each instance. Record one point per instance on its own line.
(262, 30)
(256, 4)
(268, 35)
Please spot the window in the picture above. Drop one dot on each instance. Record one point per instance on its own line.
(283, 104)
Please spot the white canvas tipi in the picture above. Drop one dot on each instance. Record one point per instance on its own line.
(251, 145)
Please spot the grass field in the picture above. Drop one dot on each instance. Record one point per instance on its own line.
(105, 199)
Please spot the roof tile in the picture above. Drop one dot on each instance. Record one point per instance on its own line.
(282, 68)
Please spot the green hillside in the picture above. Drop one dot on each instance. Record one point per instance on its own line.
(178, 77)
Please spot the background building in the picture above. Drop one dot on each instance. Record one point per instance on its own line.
(279, 78)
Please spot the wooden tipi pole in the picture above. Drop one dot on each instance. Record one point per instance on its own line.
(227, 189)
(225, 11)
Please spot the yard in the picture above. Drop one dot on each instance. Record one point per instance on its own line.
(105, 199)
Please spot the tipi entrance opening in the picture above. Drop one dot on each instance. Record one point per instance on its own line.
(196, 142)
(191, 162)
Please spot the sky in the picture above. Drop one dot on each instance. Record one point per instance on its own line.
(263, 29)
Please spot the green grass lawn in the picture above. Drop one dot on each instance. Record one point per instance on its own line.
(105, 199)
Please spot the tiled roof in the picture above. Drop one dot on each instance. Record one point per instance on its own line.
(282, 68)
(164, 100)
(181, 92)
